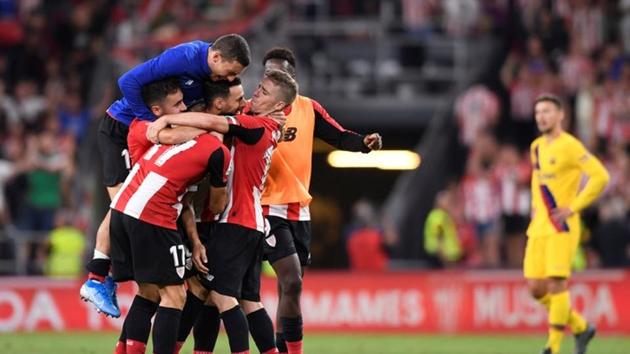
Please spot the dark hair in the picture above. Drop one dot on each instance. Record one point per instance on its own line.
(233, 47)
(154, 92)
(282, 53)
(215, 89)
(288, 86)
(549, 97)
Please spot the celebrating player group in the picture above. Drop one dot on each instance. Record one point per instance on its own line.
(204, 186)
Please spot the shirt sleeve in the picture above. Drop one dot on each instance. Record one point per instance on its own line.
(137, 141)
(598, 177)
(175, 61)
(327, 129)
(218, 167)
(246, 128)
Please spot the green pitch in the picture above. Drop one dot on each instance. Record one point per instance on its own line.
(103, 343)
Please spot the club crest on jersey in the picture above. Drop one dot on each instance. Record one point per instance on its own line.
(209, 277)
(180, 271)
(271, 240)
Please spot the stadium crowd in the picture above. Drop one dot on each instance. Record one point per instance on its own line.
(579, 51)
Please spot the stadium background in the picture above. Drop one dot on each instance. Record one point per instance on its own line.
(451, 80)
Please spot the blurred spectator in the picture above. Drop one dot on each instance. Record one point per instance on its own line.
(611, 236)
(62, 252)
(420, 16)
(477, 109)
(74, 117)
(461, 16)
(513, 173)
(47, 169)
(482, 208)
(368, 248)
(31, 105)
(585, 103)
(575, 67)
(8, 111)
(586, 22)
(441, 239)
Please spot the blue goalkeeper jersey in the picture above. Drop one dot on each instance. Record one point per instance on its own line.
(187, 61)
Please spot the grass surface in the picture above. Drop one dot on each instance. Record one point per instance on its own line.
(103, 343)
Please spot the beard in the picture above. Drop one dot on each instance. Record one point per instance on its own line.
(545, 130)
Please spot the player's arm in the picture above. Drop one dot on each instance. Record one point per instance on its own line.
(199, 257)
(598, 178)
(178, 135)
(188, 219)
(172, 62)
(327, 129)
(246, 128)
(218, 165)
(199, 120)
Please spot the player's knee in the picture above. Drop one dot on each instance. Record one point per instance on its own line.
(537, 293)
(292, 285)
(173, 296)
(195, 287)
(149, 292)
(250, 306)
(223, 302)
(557, 285)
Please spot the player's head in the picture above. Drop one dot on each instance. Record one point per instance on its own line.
(228, 57)
(280, 58)
(549, 112)
(276, 91)
(163, 97)
(224, 97)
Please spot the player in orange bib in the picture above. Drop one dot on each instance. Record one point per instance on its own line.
(559, 163)
(286, 197)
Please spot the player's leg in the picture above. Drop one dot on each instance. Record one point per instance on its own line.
(112, 144)
(260, 326)
(560, 251)
(195, 297)
(207, 321)
(234, 321)
(207, 326)
(137, 325)
(230, 253)
(258, 320)
(167, 317)
(287, 261)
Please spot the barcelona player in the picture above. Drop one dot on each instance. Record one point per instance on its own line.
(559, 162)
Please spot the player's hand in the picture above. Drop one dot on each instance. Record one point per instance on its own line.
(199, 258)
(373, 141)
(559, 215)
(153, 129)
(278, 117)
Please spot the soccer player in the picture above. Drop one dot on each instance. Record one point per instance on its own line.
(559, 161)
(285, 198)
(221, 97)
(146, 245)
(191, 63)
(253, 146)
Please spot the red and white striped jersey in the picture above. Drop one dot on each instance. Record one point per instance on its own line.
(137, 141)
(249, 166)
(290, 211)
(154, 189)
